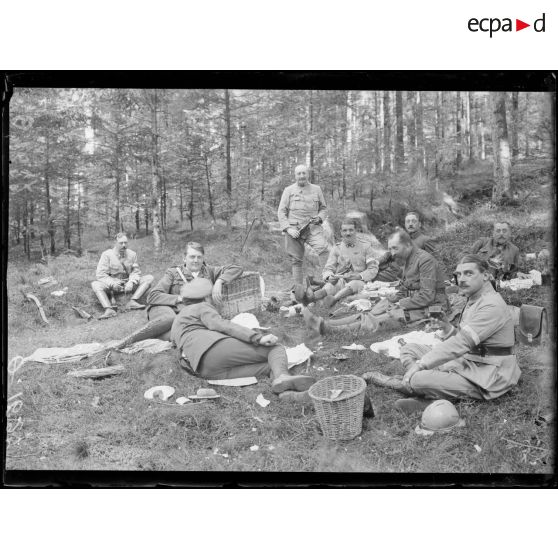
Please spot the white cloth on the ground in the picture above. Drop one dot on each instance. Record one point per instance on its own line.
(54, 355)
(517, 284)
(393, 347)
(297, 355)
(234, 382)
(151, 346)
(360, 304)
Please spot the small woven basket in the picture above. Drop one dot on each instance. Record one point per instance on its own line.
(340, 418)
(241, 295)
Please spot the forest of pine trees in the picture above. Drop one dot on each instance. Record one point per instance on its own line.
(146, 160)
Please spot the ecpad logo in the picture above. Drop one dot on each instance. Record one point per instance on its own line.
(494, 24)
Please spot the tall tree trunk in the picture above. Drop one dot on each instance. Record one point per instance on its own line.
(484, 112)
(310, 136)
(50, 222)
(155, 174)
(399, 146)
(420, 157)
(475, 127)
(78, 220)
(458, 136)
(228, 155)
(387, 134)
(411, 128)
(515, 126)
(67, 232)
(209, 193)
(191, 206)
(378, 134)
(501, 147)
(117, 194)
(262, 190)
(468, 127)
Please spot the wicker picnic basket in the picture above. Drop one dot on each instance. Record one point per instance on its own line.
(242, 295)
(341, 418)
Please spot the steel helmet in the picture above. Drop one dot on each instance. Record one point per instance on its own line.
(440, 416)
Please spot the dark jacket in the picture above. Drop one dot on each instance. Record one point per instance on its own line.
(423, 279)
(166, 291)
(199, 326)
(423, 242)
(487, 249)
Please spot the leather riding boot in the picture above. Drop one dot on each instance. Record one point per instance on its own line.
(102, 297)
(393, 382)
(278, 361)
(141, 290)
(315, 323)
(151, 330)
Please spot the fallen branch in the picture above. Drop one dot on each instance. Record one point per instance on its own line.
(39, 306)
(524, 445)
(97, 372)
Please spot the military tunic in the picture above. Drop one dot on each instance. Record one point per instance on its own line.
(487, 249)
(357, 258)
(423, 242)
(113, 268)
(423, 280)
(166, 292)
(297, 206)
(455, 367)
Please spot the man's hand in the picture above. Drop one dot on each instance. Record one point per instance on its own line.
(333, 279)
(292, 232)
(352, 277)
(440, 321)
(128, 287)
(393, 298)
(316, 220)
(410, 373)
(118, 287)
(268, 340)
(217, 292)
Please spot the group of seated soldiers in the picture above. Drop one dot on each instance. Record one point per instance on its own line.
(475, 358)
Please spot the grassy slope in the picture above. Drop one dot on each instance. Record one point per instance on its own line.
(63, 429)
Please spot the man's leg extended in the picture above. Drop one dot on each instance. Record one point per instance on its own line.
(436, 384)
(158, 327)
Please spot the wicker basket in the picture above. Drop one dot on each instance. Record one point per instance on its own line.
(242, 295)
(340, 419)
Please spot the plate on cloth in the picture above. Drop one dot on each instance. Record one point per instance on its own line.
(234, 382)
(160, 392)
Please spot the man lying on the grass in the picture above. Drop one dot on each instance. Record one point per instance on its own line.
(213, 348)
(351, 263)
(164, 301)
(422, 286)
(118, 273)
(476, 359)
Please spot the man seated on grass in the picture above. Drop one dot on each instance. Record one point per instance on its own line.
(118, 272)
(164, 300)
(475, 360)
(389, 268)
(350, 264)
(422, 286)
(500, 253)
(213, 348)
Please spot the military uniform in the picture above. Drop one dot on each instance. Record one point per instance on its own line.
(476, 360)
(214, 348)
(297, 206)
(508, 254)
(422, 281)
(423, 242)
(113, 269)
(357, 258)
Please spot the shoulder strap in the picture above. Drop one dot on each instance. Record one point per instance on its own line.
(181, 274)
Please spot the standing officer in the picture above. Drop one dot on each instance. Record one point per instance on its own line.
(118, 272)
(301, 213)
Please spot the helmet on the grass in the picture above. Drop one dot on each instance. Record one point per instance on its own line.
(440, 416)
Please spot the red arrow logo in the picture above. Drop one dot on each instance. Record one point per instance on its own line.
(519, 25)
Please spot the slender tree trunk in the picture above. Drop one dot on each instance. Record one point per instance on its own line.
(501, 147)
(117, 194)
(155, 174)
(411, 128)
(50, 223)
(469, 127)
(67, 232)
(78, 220)
(483, 129)
(262, 190)
(378, 135)
(458, 135)
(191, 206)
(209, 193)
(387, 134)
(515, 125)
(310, 136)
(181, 200)
(399, 146)
(227, 155)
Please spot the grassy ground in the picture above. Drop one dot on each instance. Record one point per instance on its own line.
(70, 423)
